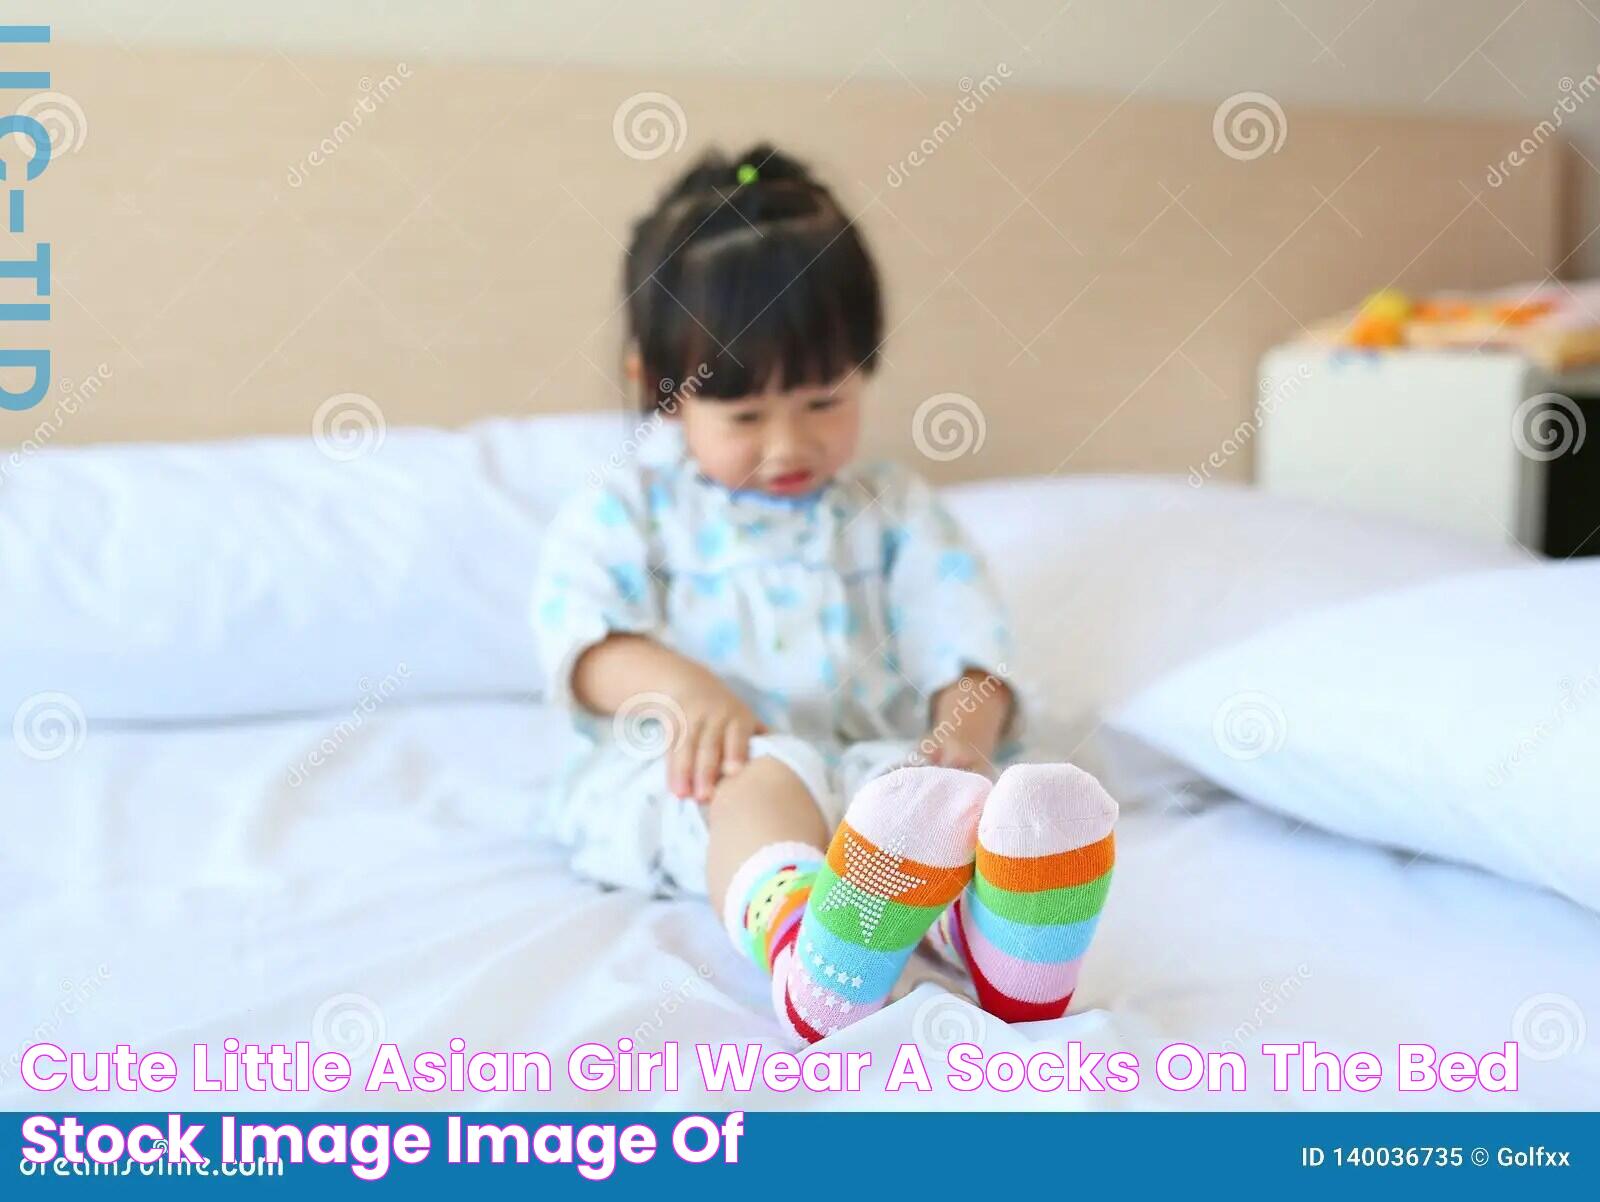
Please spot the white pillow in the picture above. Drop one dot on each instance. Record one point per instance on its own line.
(270, 575)
(1112, 581)
(1459, 718)
(218, 580)
(285, 575)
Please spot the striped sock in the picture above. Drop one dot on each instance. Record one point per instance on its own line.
(1045, 854)
(902, 854)
(762, 908)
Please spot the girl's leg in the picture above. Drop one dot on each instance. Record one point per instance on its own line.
(764, 803)
(767, 834)
(835, 929)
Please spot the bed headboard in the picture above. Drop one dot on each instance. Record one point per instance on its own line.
(238, 237)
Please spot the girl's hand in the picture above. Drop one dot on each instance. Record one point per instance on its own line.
(715, 741)
(966, 720)
(711, 742)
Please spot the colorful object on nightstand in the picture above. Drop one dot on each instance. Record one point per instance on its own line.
(1381, 320)
(1557, 325)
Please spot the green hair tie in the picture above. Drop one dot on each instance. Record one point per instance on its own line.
(747, 173)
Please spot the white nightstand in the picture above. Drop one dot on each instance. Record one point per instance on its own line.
(1484, 443)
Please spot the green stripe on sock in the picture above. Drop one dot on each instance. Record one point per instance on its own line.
(1047, 907)
(900, 925)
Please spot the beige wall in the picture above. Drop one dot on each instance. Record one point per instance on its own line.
(1074, 282)
(1492, 57)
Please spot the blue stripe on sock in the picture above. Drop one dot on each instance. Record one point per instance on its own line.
(1037, 945)
(878, 970)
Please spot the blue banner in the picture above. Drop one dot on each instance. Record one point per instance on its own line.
(737, 1154)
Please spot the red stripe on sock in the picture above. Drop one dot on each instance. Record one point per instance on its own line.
(807, 1032)
(1006, 1009)
(786, 939)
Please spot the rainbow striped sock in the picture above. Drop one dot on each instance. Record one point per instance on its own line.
(766, 898)
(1045, 855)
(902, 854)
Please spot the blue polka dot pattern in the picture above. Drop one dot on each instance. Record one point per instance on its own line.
(712, 539)
(629, 580)
(893, 539)
(723, 640)
(855, 606)
(837, 619)
(957, 565)
(609, 511)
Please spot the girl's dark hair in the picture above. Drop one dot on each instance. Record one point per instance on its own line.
(747, 275)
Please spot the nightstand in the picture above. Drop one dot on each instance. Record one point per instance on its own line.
(1483, 443)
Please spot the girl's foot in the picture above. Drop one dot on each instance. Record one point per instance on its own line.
(1045, 854)
(903, 853)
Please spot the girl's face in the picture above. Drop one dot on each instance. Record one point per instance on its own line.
(785, 444)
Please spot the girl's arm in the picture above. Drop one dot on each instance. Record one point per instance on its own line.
(967, 719)
(597, 610)
(712, 739)
(951, 640)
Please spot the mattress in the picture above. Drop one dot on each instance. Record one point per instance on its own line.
(353, 880)
(216, 837)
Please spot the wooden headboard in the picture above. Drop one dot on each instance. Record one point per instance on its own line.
(233, 244)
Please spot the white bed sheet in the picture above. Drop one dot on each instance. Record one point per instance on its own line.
(163, 887)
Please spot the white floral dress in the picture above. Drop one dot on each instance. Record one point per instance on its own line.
(836, 616)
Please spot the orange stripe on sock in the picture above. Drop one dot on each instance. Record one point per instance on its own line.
(1032, 873)
(937, 887)
(796, 900)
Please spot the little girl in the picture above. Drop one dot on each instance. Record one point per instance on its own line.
(750, 628)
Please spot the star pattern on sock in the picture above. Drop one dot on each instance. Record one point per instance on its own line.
(830, 970)
(871, 880)
(817, 997)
